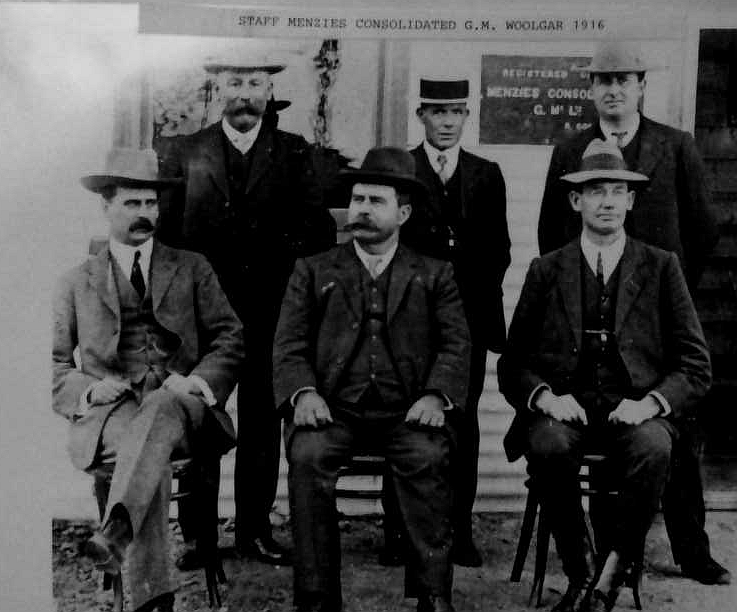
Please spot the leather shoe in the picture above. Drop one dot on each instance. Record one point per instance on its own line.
(466, 554)
(434, 604)
(601, 602)
(707, 572)
(103, 553)
(266, 550)
(575, 599)
(190, 559)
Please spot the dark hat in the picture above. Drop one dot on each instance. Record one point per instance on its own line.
(443, 92)
(242, 62)
(390, 166)
(617, 56)
(603, 161)
(127, 167)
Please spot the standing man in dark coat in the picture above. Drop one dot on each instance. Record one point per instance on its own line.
(372, 352)
(605, 354)
(673, 213)
(464, 222)
(251, 205)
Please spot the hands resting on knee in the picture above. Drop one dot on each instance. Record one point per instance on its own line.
(565, 408)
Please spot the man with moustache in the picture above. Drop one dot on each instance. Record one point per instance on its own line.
(159, 349)
(251, 205)
(673, 213)
(463, 221)
(371, 353)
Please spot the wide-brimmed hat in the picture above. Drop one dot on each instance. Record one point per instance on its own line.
(242, 62)
(601, 161)
(617, 56)
(127, 167)
(390, 166)
(434, 91)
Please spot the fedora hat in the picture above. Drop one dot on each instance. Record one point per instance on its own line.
(617, 56)
(242, 62)
(127, 167)
(603, 161)
(390, 166)
(433, 91)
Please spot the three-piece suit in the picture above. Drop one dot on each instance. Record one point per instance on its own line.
(656, 345)
(251, 215)
(672, 212)
(371, 348)
(182, 325)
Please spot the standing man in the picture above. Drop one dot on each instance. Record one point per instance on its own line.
(251, 205)
(673, 213)
(372, 352)
(464, 222)
(605, 354)
(159, 353)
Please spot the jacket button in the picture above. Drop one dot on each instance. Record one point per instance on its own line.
(354, 325)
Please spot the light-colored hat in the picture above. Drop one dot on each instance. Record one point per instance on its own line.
(603, 161)
(127, 167)
(617, 56)
(434, 91)
(242, 62)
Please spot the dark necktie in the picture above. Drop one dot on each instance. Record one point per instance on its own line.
(442, 173)
(620, 138)
(600, 270)
(137, 276)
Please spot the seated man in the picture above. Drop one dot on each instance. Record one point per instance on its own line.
(605, 352)
(159, 351)
(372, 352)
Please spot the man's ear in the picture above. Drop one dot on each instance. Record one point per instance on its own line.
(404, 213)
(574, 197)
(420, 112)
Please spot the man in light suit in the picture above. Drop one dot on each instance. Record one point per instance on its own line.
(159, 351)
(250, 203)
(673, 213)
(462, 221)
(372, 352)
(605, 352)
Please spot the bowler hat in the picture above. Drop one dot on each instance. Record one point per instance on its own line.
(390, 166)
(443, 92)
(127, 167)
(617, 56)
(603, 161)
(242, 62)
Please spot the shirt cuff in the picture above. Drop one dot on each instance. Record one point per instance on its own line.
(449, 405)
(293, 398)
(84, 402)
(207, 393)
(533, 396)
(665, 408)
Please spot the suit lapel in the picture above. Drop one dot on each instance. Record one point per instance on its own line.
(213, 150)
(569, 285)
(348, 272)
(164, 265)
(467, 177)
(402, 272)
(630, 282)
(651, 148)
(261, 159)
(424, 171)
(101, 279)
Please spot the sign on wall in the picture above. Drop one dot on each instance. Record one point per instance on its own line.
(533, 100)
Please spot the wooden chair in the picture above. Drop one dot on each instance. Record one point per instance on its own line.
(595, 485)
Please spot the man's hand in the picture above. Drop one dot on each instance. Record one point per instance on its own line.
(634, 412)
(427, 411)
(561, 407)
(176, 383)
(311, 410)
(108, 390)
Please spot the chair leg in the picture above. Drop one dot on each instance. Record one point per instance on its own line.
(541, 557)
(525, 536)
(117, 581)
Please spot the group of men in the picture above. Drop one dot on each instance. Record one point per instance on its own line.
(380, 344)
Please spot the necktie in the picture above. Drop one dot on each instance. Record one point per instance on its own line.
(600, 270)
(620, 138)
(442, 162)
(137, 276)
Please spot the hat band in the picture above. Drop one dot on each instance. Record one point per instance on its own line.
(602, 161)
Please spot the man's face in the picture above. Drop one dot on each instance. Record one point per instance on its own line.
(375, 213)
(443, 123)
(603, 205)
(132, 214)
(244, 96)
(616, 94)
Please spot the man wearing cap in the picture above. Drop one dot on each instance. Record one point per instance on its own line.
(464, 222)
(673, 213)
(372, 352)
(251, 205)
(605, 352)
(159, 351)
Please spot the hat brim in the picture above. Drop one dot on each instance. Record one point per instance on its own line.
(585, 176)
(444, 100)
(216, 67)
(98, 182)
(592, 69)
(351, 176)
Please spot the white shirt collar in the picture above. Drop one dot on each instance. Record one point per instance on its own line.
(630, 127)
(243, 141)
(125, 253)
(451, 155)
(610, 254)
(382, 261)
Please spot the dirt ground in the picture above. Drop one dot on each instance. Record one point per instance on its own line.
(368, 587)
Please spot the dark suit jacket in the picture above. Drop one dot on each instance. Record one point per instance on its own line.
(252, 252)
(483, 256)
(657, 332)
(187, 301)
(321, 321)
(672, 212)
